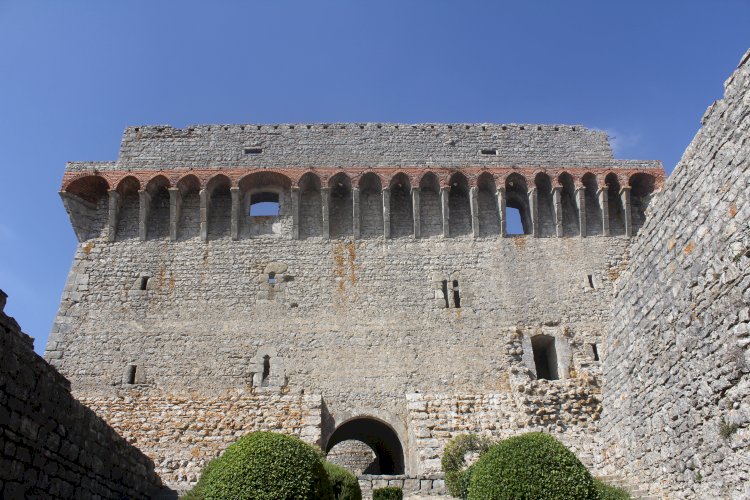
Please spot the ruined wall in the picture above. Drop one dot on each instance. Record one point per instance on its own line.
(353, 293)
(181, 432)
(52, 446)
(677, 389)
(357, 322)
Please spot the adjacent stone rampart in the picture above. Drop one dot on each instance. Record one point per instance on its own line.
(677, 390)
(52, 446)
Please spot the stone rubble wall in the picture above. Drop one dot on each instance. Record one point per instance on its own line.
(358, 145)
(429, 485)
(677, 384)
(567, 409)
(181, 433)
(52, 446)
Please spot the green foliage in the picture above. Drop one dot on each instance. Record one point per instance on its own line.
(265, 466)
(454, 465)
(344, 484)
(464, 480)
(607, 492)
(726, 429)
(387, 493)
(529, 466)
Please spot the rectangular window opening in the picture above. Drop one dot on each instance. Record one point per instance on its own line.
(130, 374)
(253, 151)
(456, 295)
(595, 352)
(445, 293)
(513, 223)
(144, 282)
(489, 151)
(545, 357)
(264, 205)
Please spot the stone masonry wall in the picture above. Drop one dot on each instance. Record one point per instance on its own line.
(677, 383)
(357, 145)
(52, 446)
(182, 432)
(356, 322)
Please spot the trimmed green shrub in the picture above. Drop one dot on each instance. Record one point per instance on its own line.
(454, 465)
(388, 493)
(607, 492)
(343, 483)
(533, 465)
(265, 466)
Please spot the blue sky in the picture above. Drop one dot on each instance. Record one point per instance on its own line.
(74, 74)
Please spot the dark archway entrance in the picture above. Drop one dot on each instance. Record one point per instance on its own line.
(379, 436)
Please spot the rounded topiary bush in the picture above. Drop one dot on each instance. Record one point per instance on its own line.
(533, 465)
(454, 463)
(266, 466)
(343, 483)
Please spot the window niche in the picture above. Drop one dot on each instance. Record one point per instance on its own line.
(545, 357)
(133, 375)
(274, 283)
(267, 370)
(266, 213)
(142, 286)
(448, 291)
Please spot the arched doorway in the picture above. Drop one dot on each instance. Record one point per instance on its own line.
(378, 436)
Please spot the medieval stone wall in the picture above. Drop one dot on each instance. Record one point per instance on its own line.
(368, 144)
(677, 390)
(52, 446)
(181, 432)
(373, 283)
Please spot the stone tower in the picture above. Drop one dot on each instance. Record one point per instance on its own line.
(381, 308)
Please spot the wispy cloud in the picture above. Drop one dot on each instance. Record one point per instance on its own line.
(622, 142)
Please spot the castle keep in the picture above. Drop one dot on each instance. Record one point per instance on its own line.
(381, 311)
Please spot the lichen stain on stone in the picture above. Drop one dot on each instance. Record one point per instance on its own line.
(733, 210)
(339, 268)
(671, 244)
(352, 253)
(520, 242)
(689, 248)
(88, 247)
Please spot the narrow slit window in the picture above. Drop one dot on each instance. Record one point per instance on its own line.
(144, 282)
(591, 281)
(456, 295)
(489, 151)
(253, 151)
(130, 374)
(266, 370)
(445, 293)
(595, 352)
(264, 205)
